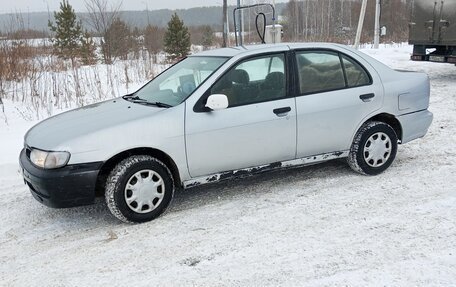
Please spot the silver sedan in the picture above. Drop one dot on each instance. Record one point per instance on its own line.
(225, 113)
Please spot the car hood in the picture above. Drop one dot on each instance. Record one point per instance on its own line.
(57, 130)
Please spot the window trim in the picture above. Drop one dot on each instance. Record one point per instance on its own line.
(298, 92)
(199, 105)
(341, 55)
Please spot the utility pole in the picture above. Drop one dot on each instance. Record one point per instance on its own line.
(274, 25)
(225, 23)
(360, 23)
(240, 23)
(228, 28)
(147, 11)
(377, 24)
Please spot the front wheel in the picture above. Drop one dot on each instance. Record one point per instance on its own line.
(374, 148)
(139, 189)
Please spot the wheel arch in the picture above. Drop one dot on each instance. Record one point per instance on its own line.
(390, 120)
(111, 163)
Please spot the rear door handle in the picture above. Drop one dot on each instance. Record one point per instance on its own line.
(282, 111)
(367, 97)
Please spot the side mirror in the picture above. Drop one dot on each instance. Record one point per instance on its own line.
(217, 102)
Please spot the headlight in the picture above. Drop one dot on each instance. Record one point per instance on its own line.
(49, 160)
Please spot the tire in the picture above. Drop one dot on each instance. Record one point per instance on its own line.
(373, 149)
(139, 189)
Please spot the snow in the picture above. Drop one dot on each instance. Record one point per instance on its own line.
(322, 225)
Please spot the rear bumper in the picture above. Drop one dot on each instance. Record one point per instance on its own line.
(415, 125)
(72, 185)
(444, 53)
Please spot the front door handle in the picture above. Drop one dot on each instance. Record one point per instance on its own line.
(282, 111)
(367, 97)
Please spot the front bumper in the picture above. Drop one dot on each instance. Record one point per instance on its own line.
(69, 186)
(415, 125)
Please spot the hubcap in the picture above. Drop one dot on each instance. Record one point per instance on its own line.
(144, 191)
(377, 149)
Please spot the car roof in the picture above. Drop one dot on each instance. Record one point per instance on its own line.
(263, 48)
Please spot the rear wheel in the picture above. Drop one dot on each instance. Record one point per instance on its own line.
(374, 148)
(139, 189)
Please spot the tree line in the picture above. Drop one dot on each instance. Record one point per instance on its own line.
(117, 40)
(337, 20)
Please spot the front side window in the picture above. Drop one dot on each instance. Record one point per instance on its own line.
(319, 71)
(254, 80)
(175, 84)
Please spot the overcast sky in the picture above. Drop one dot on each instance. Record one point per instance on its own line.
(24, 6)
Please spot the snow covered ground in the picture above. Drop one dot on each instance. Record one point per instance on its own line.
(322, 225)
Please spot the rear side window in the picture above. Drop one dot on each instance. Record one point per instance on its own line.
(356, 75)
(322, 71)
(319, 71)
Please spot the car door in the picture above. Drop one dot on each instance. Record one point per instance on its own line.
(257, 128)
(335, 94)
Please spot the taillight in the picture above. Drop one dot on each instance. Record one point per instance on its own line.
(417, 58)
(451, 60)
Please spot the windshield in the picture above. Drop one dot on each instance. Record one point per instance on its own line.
(173, 86)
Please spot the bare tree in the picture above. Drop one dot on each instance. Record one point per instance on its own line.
(153, 39)
(335, 20)
(119, 39)
(100, 18)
